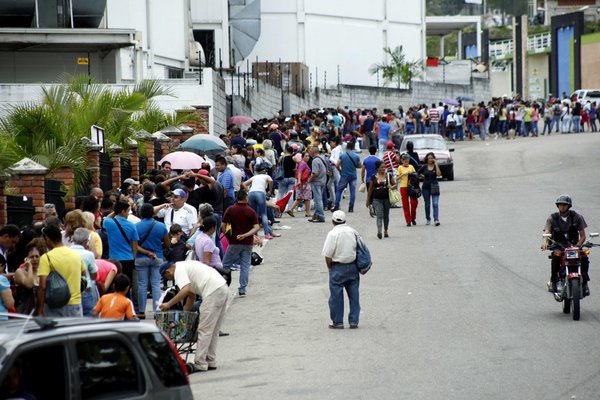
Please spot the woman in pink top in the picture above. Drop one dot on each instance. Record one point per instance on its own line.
(303, 191)
(535, 117)
(107, 270)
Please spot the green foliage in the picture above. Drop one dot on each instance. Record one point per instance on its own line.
(444, 7)
(511, 7)
(398, 69)
(50, 132)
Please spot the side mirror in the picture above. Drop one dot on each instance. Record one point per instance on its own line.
(595, 234)
(450, 150)
(547, 235)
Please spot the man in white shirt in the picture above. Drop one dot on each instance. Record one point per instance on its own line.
(194, 278)
(238, 175)
(339, 251)
(179, 212)
(332, 182)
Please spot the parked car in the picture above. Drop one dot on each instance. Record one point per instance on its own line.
(84, 358)
(584, 95)
(425, 143)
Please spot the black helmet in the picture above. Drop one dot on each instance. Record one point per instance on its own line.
(564, 199)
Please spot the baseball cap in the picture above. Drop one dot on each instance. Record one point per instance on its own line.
(339, 216)
(203, 172)
(390, 145)
(131, 181)
(179, 192)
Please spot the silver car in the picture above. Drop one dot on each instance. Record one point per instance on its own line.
(84, 358)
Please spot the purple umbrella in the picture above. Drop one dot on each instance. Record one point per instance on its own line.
(451, 102)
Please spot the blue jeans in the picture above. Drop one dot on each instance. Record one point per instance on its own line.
(345, 181)
(382, 146)
(318, 190)
(239, 254)
(87, 303)
(219, 218)
(427, 197)
(70, 310)
(285, 185)
(435, 127)
(258, 202)
(148, 270)
(344, 276)
(576, 123)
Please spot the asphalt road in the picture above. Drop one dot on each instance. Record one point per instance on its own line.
(458, 311)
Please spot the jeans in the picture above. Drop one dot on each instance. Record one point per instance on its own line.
(148, 270)
(503, 127)
(344, 276)
(258, 202)
(427, 197)
(285, 185)
(382, 211)
(70, 310)
(332, 183)
(219, 218)
(435, 127)
(555, 122)
(239, 254)
(577, 123)
(345, 181)
(547, 125)
(382, 146)
(370, 139)
(89, 298)
(318, 190)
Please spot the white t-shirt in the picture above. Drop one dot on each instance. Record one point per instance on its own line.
(237, 176)
(260, 183)
(203, 280)
(340, 244)
(335, 154)
(186, 217)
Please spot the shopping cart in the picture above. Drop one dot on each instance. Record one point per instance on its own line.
(181, 327)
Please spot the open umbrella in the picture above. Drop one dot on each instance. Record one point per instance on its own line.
(240, 120)
(183, 160)
(208, 144)
(451, 102)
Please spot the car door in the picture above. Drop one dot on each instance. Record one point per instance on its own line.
(37, 369)
(107, 365)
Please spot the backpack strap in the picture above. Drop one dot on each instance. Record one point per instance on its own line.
(141, 242)
(121, 229)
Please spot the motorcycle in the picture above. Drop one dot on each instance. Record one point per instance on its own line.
(570, 285)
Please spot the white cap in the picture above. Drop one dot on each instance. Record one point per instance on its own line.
(131, 181)
(339, 216)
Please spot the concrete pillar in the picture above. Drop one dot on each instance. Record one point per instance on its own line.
(166, 143)
(459, 46)
(479, 34)
(442, 46)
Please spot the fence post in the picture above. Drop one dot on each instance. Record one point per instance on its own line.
(28, 178)
(115, 158)
(164, 142)
(2, 200)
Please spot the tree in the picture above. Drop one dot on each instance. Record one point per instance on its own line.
(398, 69)
(444, 7)
(50, 132)
(512, 7)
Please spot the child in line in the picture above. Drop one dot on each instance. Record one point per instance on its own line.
(116, 305)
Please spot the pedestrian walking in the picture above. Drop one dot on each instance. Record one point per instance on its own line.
(339, 251)
(431, 188)
(409, 203)
(379, 197)
(347, 165)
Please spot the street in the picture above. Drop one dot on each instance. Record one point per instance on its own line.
(458, 311)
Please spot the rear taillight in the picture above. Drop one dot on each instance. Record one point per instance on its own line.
(179, 359)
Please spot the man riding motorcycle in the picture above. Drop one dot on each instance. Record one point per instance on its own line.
(567, 229)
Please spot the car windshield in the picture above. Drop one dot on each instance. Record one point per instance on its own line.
(426, 143)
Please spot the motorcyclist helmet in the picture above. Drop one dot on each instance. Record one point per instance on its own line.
(564, 199)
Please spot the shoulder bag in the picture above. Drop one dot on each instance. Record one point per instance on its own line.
(363, 256)
(57, 289)
(393, 193)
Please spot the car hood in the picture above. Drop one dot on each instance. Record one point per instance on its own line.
(439, 154)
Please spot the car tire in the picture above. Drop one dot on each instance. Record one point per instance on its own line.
(450, 175)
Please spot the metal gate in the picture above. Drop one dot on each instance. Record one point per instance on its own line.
(105, 172)
(125, 168)
(19, 210)
(54, 195)
(143, 166)
(157, 153)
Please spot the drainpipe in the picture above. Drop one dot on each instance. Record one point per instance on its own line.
(149, 35)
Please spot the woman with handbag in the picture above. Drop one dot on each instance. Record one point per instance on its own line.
(430, 172)
(303, 189)
(409, 203)
(380, 186)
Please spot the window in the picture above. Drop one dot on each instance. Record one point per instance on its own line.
(107, 368)
(174, 73)
(39, 372)
(163, 359)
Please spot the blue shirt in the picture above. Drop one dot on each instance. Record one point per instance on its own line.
(118, 248)
(226, 179)
(154, 241)
(370, 168)
(4, 285)
(368, 124)
(384, 130)
(350, 161)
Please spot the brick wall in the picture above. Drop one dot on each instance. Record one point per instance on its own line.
(67, 178)
(116, 171)
(32, 186)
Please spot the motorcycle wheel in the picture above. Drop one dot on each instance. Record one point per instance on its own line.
(576, 294)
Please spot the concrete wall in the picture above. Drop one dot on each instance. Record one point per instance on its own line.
(538, 75)
(500, 83)
(218, 111)
(267, 102)
(590, 59)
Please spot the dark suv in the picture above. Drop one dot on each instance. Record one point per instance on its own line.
(84, 358)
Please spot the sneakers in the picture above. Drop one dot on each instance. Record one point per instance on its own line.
(268, 237)
(414, 221)
(336, 326)
(586, 291)
(241, 294)
(350, 209)
(378, 235)
(428, 222)
(353, 326)
(385, 234)
(437, 223)
(552, 287)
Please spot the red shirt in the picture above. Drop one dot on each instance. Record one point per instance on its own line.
(242, 219)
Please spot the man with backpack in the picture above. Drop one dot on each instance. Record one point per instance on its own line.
(347, 165)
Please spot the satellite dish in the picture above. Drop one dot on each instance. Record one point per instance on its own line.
(244, 21)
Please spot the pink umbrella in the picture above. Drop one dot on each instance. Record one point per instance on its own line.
(240, 120)
(183, 160)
